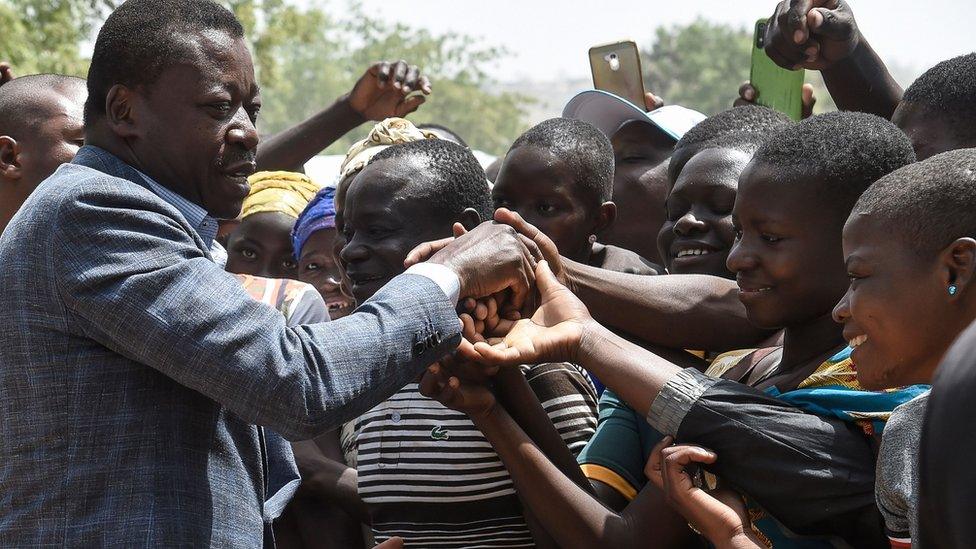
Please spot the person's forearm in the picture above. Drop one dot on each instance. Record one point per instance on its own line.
(329, 480)
(862, 83)
(290, 149)
(635, 374)
(571, 515)
(522, 404)
(676, 311)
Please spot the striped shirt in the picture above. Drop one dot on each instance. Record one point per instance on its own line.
(430, 476)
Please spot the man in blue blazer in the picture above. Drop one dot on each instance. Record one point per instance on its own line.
(133, 369)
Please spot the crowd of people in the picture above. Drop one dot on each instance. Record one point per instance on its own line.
(639, 327)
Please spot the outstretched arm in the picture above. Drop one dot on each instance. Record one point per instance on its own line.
(570, 514)
(385, 90)
(755, 432)
(675, 311)
(823, 35)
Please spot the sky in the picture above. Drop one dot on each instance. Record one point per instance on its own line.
(548, 39)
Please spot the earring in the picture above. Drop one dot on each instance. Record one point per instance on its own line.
(592, 239)
(953, 289)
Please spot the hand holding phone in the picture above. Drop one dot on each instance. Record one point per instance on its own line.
(775, 87)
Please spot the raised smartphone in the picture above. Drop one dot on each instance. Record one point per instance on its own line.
(616, 68)
(777, 88)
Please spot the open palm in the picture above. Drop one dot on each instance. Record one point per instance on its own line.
(552, 334)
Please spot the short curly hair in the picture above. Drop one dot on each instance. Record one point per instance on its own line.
(741, 128)
(457, 181)
(844, 151)
(141, 38)
(928, 204)
(584, 149)
(949, 90)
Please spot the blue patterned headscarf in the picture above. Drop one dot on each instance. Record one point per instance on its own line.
(319, 214)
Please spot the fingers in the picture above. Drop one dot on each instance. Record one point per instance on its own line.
(747, 95)
(808, 99)
(424, 85)
(830, 23)
(400, 69)
(652, 101)
(410, 104)
(382, 71)
(459, 230)
(466, 351)
(797, 19)
(411, 78)
(499, 354)
(468, 329)
(546, 246)
(481, 311)
(687, 454)
(747, 92)
(6, 74)
(545, 280)
(520, 289)
(653, 469)
(430, 382)
(781, 33)
(423, 252)
(491, 315)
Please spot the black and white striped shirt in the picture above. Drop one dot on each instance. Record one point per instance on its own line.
(430, 476)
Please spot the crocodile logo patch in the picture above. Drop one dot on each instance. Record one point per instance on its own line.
(439, 433)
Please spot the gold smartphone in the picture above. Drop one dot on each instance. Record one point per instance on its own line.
(616, 68)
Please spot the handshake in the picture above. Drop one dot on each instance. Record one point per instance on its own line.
(515, 309)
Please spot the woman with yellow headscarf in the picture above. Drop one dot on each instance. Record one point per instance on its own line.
(261, 243)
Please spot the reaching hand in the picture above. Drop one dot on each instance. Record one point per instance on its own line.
(470, 397)
(811, 34)
(387, 90)
(720, 515)
(747, 96)
(486, 319)
(553, 334)
(490, 259)
(5, 73)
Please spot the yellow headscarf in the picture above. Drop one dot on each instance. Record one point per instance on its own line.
(281, 192)
(392, 131)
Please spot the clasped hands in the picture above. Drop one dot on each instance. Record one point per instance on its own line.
(516, 310)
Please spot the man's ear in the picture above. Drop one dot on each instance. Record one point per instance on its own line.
(605, 217)
(959, 262)
(121, 112)
(10, 167)
(470, 218)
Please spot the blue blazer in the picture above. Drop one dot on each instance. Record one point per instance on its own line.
(134, 371)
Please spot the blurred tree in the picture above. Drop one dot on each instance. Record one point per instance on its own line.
(702, 64)
(307, 59)
(45, 35)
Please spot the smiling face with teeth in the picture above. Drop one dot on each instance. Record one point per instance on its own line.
(896, 314)
(697, 236)
(386, 213)
(318, 267)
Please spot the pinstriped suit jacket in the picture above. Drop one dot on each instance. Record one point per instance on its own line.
(133, 370)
